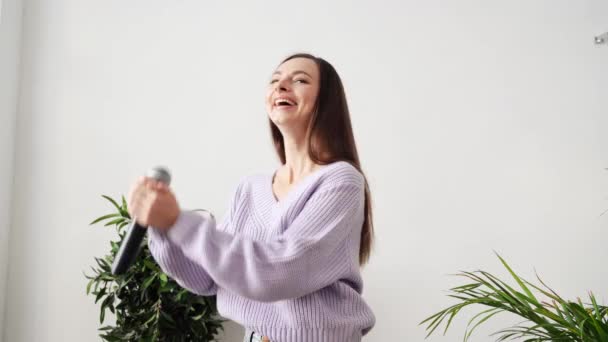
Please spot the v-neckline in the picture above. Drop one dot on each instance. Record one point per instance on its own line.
(295, 187)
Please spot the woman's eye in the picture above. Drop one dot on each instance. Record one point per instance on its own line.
(301, 81)
(273, 81)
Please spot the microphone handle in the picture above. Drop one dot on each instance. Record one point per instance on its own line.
(129, 248)
(131, 244)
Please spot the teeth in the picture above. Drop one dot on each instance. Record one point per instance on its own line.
(278, 101)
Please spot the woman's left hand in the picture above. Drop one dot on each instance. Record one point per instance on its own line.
(151, 203)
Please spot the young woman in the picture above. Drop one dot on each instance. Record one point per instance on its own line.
(285, 260)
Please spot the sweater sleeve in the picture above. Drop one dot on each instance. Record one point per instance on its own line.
(313, 252)
(171, 259)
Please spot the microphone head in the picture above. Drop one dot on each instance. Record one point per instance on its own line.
(160, 174)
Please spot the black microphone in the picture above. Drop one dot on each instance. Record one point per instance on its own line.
(131, 244)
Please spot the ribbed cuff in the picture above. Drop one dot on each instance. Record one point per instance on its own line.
(337, 334)
(187, 224)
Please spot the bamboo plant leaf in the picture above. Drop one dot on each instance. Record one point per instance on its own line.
(553, 320)
(104, 217)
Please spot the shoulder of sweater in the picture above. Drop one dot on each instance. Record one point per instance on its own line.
(341, 173)
(246, 182)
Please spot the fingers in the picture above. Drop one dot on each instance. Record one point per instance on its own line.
(155, 185)
(137, 194)
(145, 185)
(159, 205)
(143, 190)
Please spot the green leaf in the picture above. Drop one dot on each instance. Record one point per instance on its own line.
(151, 265)
(167, 317)
(100, 294)
(517, 279)
(89, 285)
(124, 207)
(488, 316)
(113, 222)
(148, 281)
(179, 296)
(104, 217)
(112, 201)
(121, 225)
(163, 279)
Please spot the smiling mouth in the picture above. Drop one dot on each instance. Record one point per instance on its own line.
(284, 103)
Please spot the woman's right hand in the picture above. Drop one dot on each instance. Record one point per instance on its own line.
(152, 203)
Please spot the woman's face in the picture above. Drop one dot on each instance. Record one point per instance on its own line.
(292, 92)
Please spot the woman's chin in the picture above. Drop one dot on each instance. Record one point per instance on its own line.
(279, 116)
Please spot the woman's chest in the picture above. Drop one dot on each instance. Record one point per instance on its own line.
(280, 190)
(268, 208)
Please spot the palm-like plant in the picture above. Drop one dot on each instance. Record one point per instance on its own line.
(554, 320)
(148, 305)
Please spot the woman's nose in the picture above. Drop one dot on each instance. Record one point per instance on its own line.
(281, 86)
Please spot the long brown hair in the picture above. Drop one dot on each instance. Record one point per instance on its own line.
(330, 138)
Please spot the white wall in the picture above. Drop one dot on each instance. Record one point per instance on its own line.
(10, 34)
(482, 126)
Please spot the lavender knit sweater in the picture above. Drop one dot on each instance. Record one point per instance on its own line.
(286, 269)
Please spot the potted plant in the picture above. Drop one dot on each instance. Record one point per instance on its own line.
(553, 319)
(147, 304)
